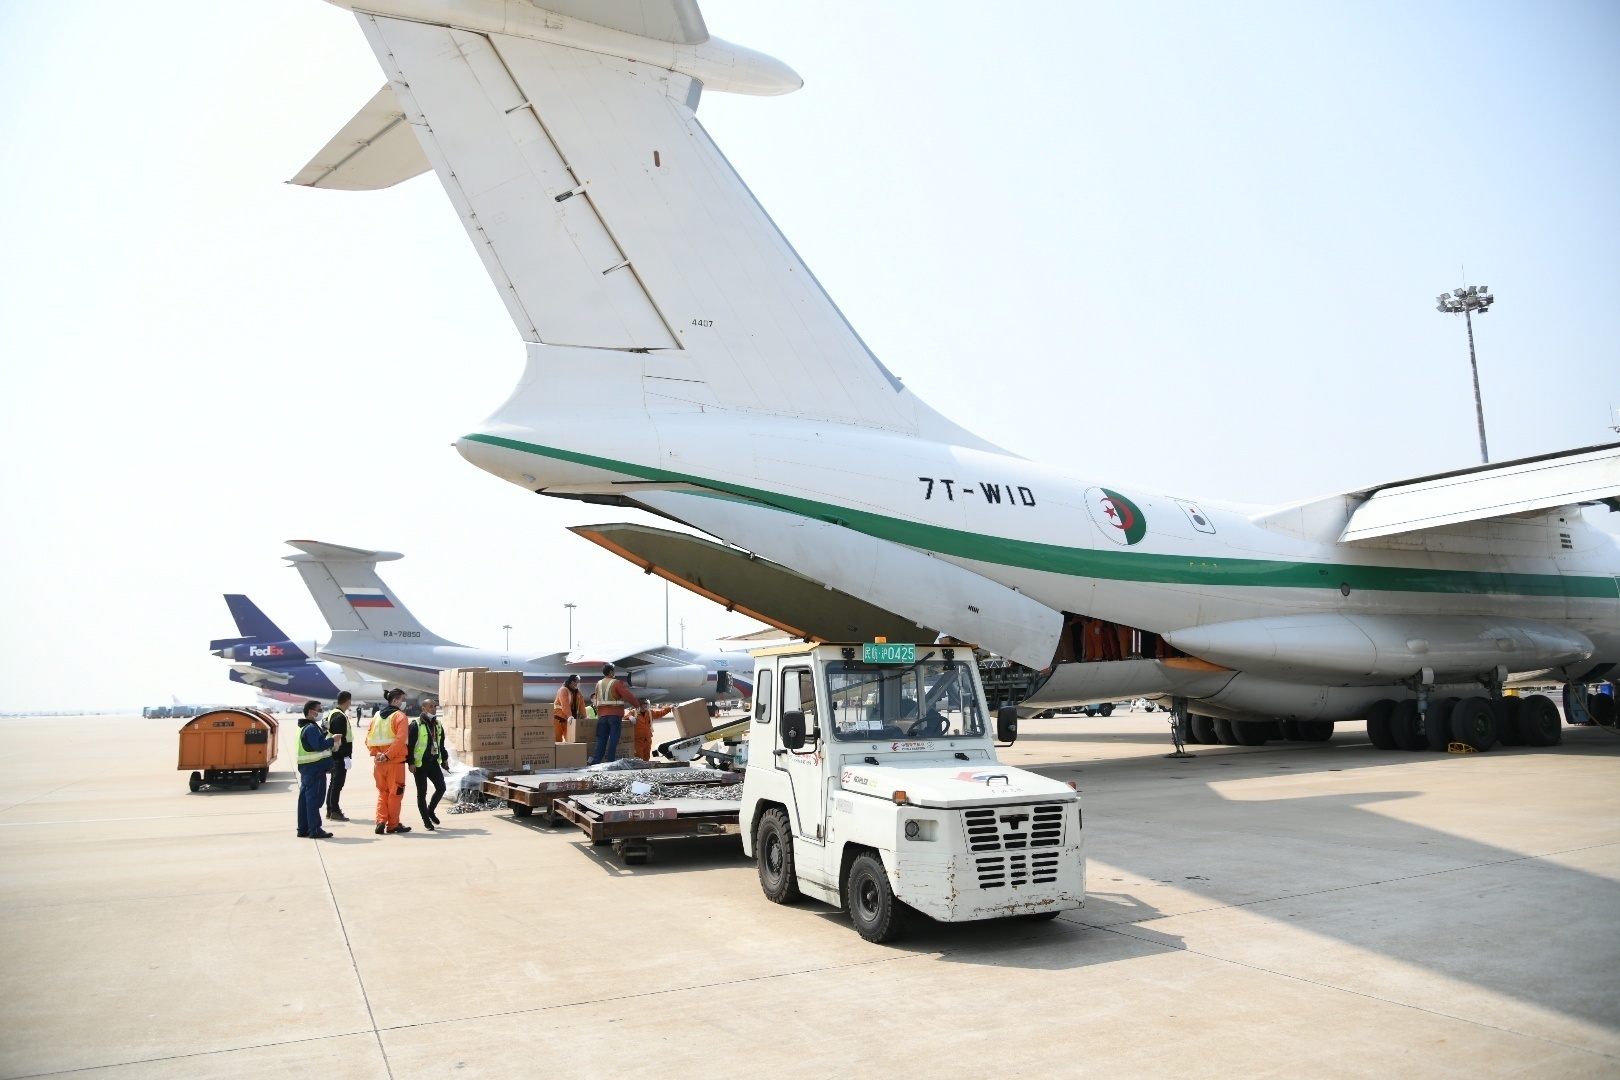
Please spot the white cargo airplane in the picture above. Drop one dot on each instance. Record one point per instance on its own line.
(714, 382)
(374, 633)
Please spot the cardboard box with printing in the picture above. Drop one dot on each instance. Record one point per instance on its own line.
(582, 731)
(535, 760)
(493, 760)
(485, 716)
(692, 717)
(464, 740)
(534, 714)
(492, 688)
(569, 755)
(533, 736)
(452, 683)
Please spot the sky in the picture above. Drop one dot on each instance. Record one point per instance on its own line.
(1191, 247)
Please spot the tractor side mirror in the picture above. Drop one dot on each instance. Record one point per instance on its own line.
(793, 730)
(1007, 724)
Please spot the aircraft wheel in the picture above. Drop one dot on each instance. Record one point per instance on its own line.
(1203, 729)
(1403, 724)
(1224, 734)
(1539, 721)
(1314, 730)
(1473, 721)
(1252, 732)
(1507, 721)
(194, 782)
(1379, 727)
(1601, 706)
(1437, 724)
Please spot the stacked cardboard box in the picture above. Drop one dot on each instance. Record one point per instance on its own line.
(480, 709)
(533, 736)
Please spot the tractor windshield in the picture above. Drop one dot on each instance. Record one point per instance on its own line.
(931, 699)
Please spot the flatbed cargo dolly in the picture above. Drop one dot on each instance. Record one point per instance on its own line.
(524, 793)
(632, 829)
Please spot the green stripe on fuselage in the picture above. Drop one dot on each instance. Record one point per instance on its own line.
(1111, 565)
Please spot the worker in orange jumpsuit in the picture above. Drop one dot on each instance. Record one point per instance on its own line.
(388, 742)
(570, 704)
(648, 714)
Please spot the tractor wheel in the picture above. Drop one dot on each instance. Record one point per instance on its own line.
(773, 850)
(876, 912)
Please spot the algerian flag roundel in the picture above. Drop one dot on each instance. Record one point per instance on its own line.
(1119, 519)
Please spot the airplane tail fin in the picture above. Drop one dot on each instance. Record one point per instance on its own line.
(262, 638)
(353, 599)
(608, 219)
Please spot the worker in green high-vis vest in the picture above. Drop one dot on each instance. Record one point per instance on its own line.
(314, 760)
(429, 759)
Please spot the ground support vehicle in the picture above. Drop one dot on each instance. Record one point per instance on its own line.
(227, 747)
(730, 753)
(874, 785)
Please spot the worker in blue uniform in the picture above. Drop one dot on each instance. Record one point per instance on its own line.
(314, 760)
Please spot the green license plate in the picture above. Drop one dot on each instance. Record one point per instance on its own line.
(889, 654)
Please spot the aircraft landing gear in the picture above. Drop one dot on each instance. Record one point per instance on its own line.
(1180, 727)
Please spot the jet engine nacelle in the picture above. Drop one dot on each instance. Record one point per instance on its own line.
(674, 677)
(1383, 646)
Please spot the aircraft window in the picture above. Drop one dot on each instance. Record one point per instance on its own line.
(880, 701)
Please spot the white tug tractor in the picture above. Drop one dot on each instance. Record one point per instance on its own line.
(873, 784)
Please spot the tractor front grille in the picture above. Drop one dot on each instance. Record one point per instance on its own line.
(1012, 831)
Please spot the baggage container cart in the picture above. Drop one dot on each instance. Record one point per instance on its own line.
(228, 746)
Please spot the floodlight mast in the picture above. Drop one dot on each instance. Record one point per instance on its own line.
(1466, 301)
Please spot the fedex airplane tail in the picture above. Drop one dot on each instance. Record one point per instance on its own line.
(355, 602)
(262, 641)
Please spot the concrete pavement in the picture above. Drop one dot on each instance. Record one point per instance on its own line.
(1302, 910)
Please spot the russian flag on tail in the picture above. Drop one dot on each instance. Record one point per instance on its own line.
(367, 598)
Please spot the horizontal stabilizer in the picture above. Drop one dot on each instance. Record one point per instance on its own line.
(1487, 491)
(377, 149)
(758, 588)
(252, 673)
